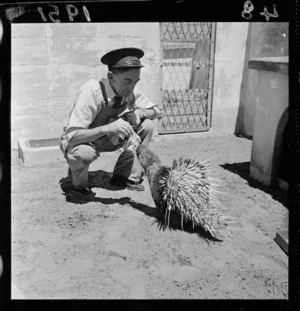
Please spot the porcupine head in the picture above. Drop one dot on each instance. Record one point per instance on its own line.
(154, 169)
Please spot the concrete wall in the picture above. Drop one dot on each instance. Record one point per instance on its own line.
(264, 40)
(270, 120)
(229, 62)
(51, 61)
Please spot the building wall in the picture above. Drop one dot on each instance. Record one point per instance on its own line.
(264, 40)
(229, 62)
(51, 61)
(269, 123)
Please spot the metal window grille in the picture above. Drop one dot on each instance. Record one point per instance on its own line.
(187, 64)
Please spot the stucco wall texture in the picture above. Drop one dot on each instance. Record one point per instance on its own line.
(50, 62)
(264, 40)
(228, 72)
(272, 101)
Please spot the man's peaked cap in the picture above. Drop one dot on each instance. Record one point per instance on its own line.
(123, 58)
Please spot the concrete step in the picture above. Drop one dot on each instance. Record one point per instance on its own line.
(35, 152)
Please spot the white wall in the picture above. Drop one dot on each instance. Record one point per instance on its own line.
(229, 63)
(264, 40)
(51, 61)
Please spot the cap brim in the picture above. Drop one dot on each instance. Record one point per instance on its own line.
(113, 57)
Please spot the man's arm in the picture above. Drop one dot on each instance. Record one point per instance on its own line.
(84, 112)
(150, 113)
(119, 126)
(144, 108)
(136, 116)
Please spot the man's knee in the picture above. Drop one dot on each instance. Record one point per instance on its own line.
(82, 154)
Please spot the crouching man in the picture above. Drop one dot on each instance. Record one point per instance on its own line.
(95, 122)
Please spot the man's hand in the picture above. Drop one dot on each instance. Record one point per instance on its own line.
(120, 127)
(134, 117)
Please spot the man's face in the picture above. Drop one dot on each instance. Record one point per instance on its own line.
(125, 82)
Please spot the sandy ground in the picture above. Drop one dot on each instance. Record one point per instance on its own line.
(112, 248)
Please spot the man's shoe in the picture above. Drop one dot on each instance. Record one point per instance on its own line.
(134, 186)
(125, 183)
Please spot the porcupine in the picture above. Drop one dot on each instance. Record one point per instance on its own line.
(184, 191)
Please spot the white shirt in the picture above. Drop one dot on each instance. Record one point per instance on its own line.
(89, 101)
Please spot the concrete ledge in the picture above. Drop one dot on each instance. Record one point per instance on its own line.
(275, 64)
(35, 152)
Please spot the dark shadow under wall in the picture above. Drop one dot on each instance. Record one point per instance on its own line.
(282, 158)
(243, 170)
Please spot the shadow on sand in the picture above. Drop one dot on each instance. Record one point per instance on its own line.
(243, 170)
(101, 179)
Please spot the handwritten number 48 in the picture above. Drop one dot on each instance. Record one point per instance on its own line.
(71, 9)
(249, 7)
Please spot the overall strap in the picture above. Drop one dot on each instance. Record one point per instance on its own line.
(103, 93)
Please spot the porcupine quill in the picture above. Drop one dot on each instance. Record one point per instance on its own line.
(187, 191)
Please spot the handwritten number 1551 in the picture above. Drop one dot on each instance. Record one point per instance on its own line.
(71, 9)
